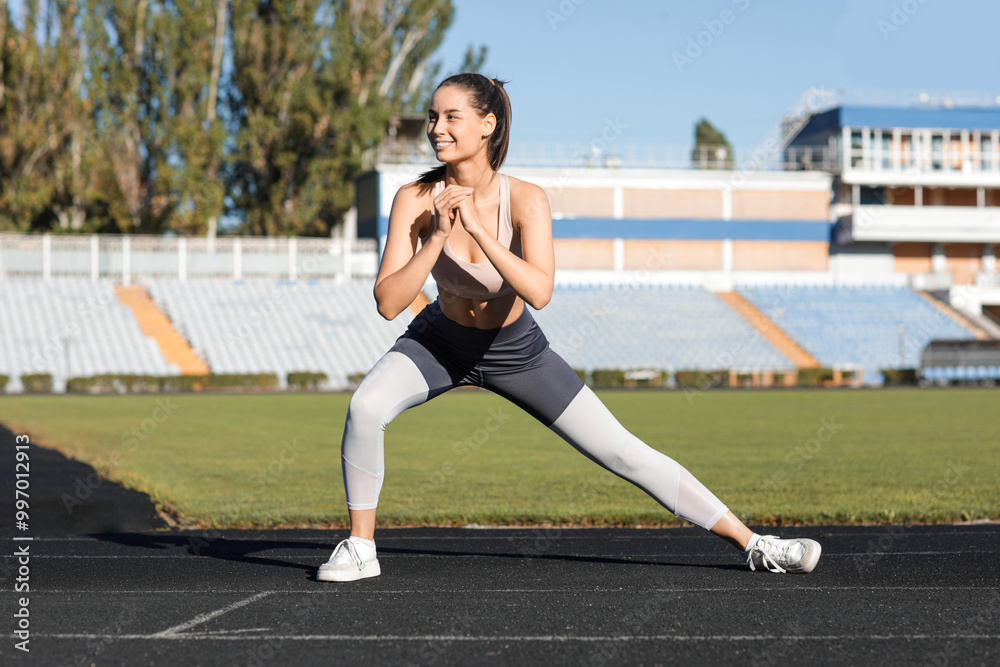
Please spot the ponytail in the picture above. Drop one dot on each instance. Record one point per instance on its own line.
(500, 139)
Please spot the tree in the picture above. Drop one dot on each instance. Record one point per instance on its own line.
(711, 148)
(22, 130)
(74, 180)
(192, 132)
(314, 85)
(123, 115)
(124, 90)
(473, 59)
(41, 117)
(212, 171)
(154, 109)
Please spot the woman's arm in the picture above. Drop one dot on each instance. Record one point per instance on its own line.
(404, 269)
(533, 276)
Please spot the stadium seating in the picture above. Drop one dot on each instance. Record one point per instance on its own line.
(47, 324)
(263, 326)
(653, 327)
(333, 327)
(961, 373)
(870, 328)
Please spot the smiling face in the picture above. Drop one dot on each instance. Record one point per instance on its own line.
(454, 126)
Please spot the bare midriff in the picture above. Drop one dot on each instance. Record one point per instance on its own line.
(490, 314)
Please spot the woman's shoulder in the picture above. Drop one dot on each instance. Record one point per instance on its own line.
(413, 205)
(526, 196)
(414, 192)
(520, 185)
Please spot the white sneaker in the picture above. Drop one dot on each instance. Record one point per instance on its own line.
(350, 561)
(777, 555)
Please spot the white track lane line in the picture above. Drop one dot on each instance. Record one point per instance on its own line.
(579, 533)
(170, 633)
(543, 556)
(518, 638)
(333, 590)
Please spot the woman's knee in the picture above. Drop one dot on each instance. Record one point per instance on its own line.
(625, 456)
(364, 430)
(368, 405)
(393, 385)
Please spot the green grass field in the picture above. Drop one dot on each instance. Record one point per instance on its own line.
(780, 457)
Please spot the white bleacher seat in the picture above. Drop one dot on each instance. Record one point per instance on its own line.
(263, 326)
(47, 324)
(868, 327)
(663, 328)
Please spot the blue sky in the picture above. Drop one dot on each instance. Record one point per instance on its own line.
(577, 65)
(573, 65)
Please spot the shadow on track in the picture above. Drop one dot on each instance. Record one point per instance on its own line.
(69, 496)
(239, 550)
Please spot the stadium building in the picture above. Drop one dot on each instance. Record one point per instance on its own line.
(849, 239)
(839, 249)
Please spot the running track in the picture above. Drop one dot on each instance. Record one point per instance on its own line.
(886, 595)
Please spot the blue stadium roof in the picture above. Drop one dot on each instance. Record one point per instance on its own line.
(957, 118)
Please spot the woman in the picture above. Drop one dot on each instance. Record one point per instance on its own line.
(487, 240)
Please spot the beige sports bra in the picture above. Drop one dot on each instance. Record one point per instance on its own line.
(477, 280)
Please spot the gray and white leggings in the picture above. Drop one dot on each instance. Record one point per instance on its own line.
(436, 354)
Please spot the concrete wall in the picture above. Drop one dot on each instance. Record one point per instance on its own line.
(963, 261)
(746, 204)
(584, 254)
(780, 205)
(673, 255)
(692, 255)
(912, 257)
(780, 255)
(647, 203)
(581, 202)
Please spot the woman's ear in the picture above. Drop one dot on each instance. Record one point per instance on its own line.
(489, 125)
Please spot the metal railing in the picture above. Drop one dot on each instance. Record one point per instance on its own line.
(930, 159)
(131, 258)
(620, 156)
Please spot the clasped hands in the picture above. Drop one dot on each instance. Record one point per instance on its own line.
(454, 205)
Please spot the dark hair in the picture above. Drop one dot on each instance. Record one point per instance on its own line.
(487, 96)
